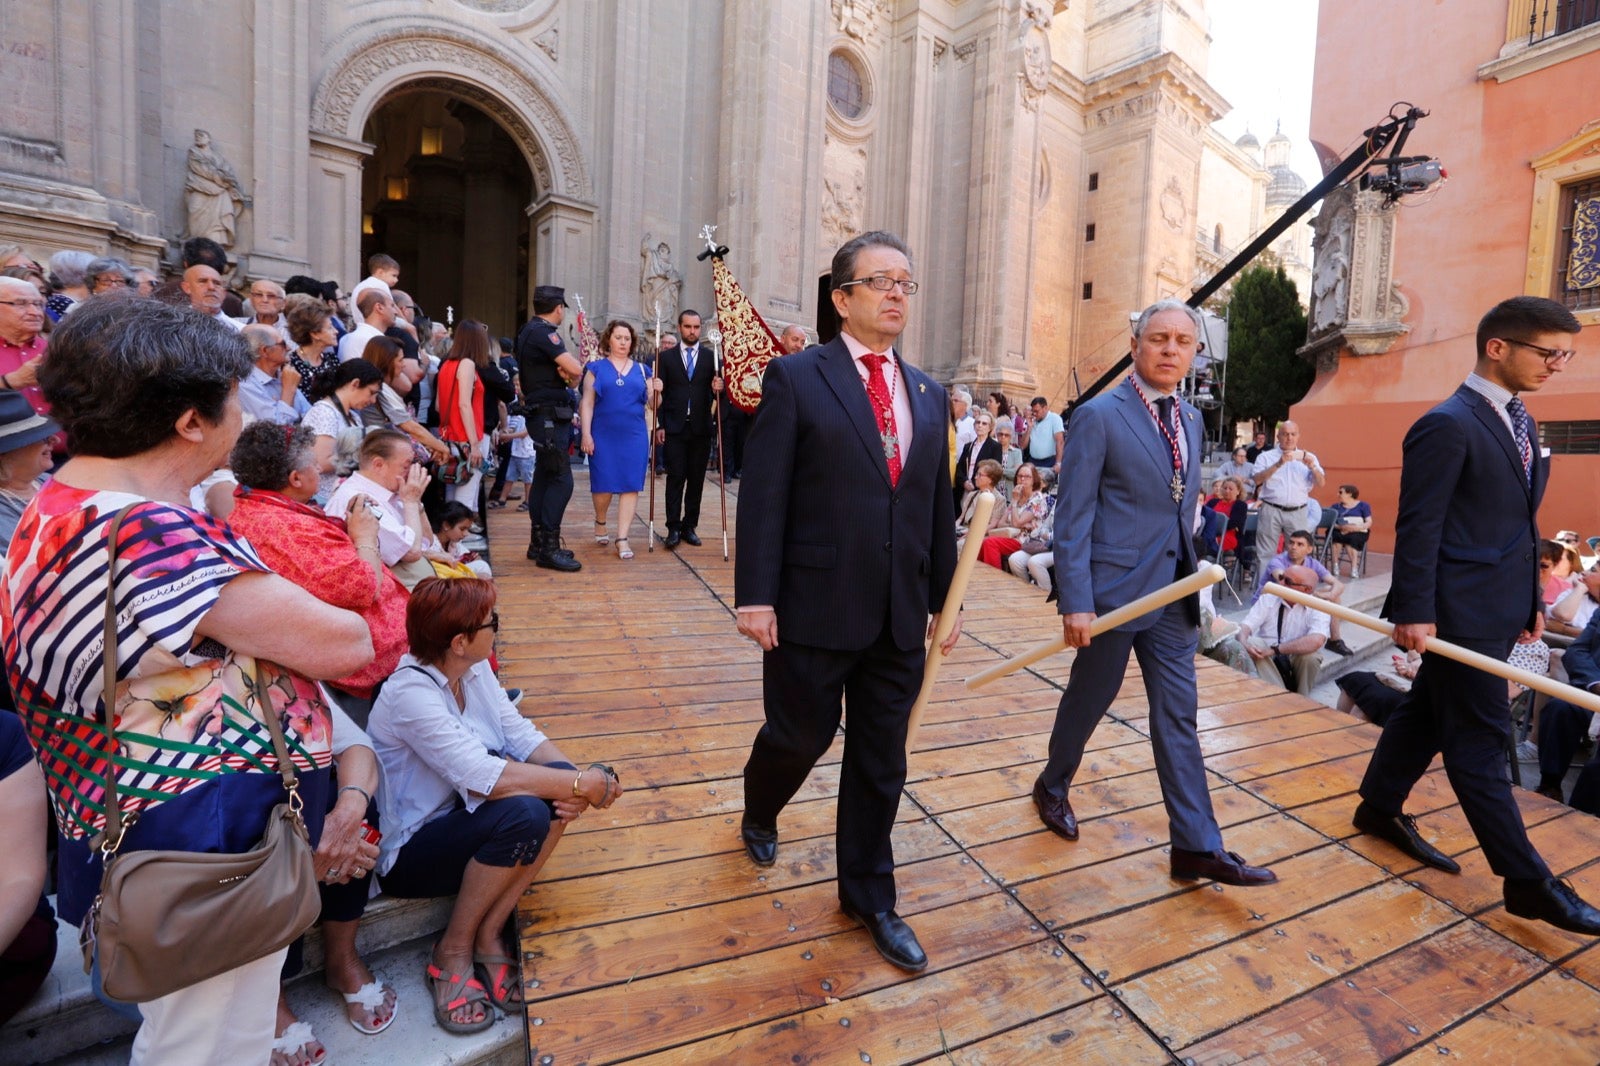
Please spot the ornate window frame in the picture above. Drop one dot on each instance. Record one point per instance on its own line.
(1576, 160)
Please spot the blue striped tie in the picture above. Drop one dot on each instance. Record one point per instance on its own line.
(1519, 430)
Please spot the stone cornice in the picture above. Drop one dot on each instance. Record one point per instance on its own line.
(1166, 73)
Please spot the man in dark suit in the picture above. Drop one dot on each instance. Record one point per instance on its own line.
(1125, 515)
(1466, 568)
(688, 375)
(846, 540)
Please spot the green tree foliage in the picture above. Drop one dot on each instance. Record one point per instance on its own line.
(1265, 326)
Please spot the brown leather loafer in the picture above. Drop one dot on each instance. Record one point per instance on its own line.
(1055, 812)
(1223, 866)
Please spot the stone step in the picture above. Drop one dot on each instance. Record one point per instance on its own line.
(413, 1039)
(65, 1018)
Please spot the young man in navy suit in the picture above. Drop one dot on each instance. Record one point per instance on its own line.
(1466, 568)
(846, 543)
(1125, 518)
(686, 377)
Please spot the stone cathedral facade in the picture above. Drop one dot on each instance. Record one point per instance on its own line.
(1043, 159)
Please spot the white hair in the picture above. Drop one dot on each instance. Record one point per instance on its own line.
(1165, 305)
(963, 395)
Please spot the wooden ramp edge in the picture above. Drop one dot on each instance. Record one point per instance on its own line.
(650, 936)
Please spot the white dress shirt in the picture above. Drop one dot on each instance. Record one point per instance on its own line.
(1298, 620)
(352, 344)
(395, 537)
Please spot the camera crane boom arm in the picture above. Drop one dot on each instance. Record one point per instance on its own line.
(1391, 133)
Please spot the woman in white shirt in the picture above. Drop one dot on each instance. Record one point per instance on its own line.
(475, 797)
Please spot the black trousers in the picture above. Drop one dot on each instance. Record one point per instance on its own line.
(686, 454)
(1465, 715)
(735, 427)
(805, 690)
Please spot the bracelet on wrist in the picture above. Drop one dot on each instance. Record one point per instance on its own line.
(357, 788)
(576, 791)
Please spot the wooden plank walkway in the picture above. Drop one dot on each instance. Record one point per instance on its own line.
(652, 938)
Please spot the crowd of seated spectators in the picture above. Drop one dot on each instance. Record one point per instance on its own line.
(280, 533)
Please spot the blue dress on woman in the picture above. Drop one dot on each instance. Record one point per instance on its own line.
(621, 442)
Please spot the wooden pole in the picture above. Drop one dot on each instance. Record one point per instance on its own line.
(1209, 574)
(1527, 678)
(951, 611)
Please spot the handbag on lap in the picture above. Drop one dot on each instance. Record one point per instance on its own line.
(165, 920)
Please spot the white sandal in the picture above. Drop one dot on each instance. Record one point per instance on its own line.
(369, 997)
(623, 551)
(601, 536)
(294, 1040)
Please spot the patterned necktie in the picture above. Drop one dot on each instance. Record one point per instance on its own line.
(883, 409)
(1519, 430)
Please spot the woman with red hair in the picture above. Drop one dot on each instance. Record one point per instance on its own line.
(475, 797)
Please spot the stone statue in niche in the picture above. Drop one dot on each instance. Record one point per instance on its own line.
(1330, 278)
(660, 283)
(211, 193)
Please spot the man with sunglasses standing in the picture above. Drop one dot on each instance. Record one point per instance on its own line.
(1466, 570)
(846, 546)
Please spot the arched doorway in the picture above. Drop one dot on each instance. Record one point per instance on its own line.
(446, 192)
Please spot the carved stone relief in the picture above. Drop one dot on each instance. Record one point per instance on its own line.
(1174, 210)
(844, 184)
(548, 41)
(859, 19)
(660, 283)
(1035, 77)
(1356, 303)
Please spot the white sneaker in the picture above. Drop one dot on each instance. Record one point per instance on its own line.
(1355, 573)
(1527, 751)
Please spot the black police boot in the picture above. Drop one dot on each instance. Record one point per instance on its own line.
(553, 556)
(536, 542)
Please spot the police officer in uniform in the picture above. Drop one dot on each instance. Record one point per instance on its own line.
(546, 368)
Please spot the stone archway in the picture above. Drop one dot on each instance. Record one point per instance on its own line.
(396, 58)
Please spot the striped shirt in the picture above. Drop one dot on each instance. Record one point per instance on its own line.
(185, 711)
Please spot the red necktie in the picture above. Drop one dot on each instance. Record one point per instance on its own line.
(883, 409)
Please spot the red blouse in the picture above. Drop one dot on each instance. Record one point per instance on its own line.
(451, 426)
(314, 551)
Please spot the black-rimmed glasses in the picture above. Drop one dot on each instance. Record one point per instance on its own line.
(493, 623)
(1552, 356)
(37, 305)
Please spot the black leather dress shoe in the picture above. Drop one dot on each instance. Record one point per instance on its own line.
(1055, 812)
(691, 538)
(1401, 831)
(760, 843)
(1223, 866)
(1551, 900)
(892, 937)
(673, 539)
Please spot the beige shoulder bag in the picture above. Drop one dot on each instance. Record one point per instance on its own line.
(165, 920)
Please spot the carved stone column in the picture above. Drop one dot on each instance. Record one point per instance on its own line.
(1356, 303)
(563, 239)
(335, 196)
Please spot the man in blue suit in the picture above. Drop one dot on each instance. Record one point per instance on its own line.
(1125, 517)
(1466, 568)
(847, 540)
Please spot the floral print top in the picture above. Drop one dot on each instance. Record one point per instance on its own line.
(185, 708)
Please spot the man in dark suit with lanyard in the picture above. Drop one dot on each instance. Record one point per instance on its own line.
(846, 545)
(1125, 519)
(688, 376)
(1466, 568)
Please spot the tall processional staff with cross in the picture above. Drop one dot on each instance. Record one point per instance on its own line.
(845, 546)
